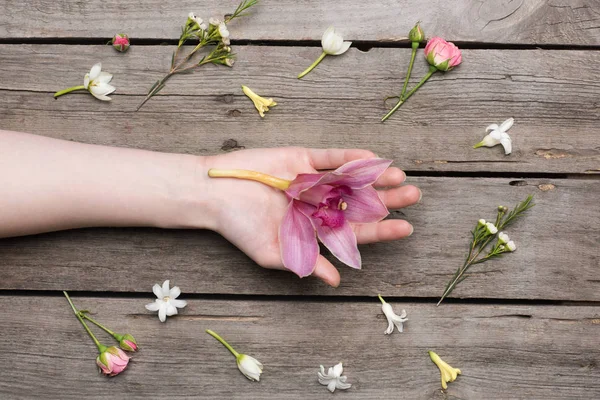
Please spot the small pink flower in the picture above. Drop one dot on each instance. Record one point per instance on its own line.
(127, 342)
(112, 361)
(323, 205)
(441, 54)
(120, 42)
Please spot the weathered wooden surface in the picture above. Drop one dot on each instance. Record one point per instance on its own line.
(556, 112)
(557, 256)
(521, 21)
(517, 352)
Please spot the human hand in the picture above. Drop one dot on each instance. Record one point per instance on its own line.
(249, 214)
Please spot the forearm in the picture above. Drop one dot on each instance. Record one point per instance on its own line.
(49, 184)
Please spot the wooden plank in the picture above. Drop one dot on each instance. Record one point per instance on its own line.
(517, 352)
(524, 21)
(557, 256)
(339, 104)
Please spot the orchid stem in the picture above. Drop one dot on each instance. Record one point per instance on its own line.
(415, 46)
(98, 324)
(432, 70)
(100, 346)
(223, 342)
(69, 90)
(277, 183)
(313, 65)
(381, 298)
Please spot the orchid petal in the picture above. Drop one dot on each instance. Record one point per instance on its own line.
(299, 247)
(357, 174)
(162, 312)
(341, 242)
(343, 47)
(506, 125)
(301, 183)
(171, 310)
(174, 292)
(178, 303)
(364, 206)
(165, 288)
(507, 144)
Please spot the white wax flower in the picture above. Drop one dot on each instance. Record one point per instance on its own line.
(511, 246)
(166, 303)
(497, 136)
(392, 318)
(333, 379)
(491, 228)
(503, 238)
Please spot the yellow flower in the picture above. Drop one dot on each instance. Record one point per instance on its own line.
(261, 104)
(449, 374)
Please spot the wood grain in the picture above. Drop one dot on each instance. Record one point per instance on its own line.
(524, 21)
(516, 352)
(557, 256)
(338, 104)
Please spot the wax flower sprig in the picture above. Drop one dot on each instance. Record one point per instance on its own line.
(323, 205)
(441, 56)
(483, 234)
(111, 360)
(215, 34)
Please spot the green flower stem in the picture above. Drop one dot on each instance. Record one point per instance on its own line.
(415, 46)
(69, 90)
(99, 325)
(313, 65)
(381, 298)
(432, 70)
(223, 342)
(100, 346)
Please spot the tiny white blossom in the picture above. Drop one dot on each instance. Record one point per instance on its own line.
(214, 21)
(96, 82)
(333, 43)
(250, 367)
(223, 31)
(511, 246)
(503, 238)
(166, 303)
(392, 318)
(491, 228)
(497, 136)
(333, 379)
(481, 222)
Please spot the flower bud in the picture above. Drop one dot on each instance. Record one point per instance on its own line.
(416, 34)
(112, 361)
(511, 246)
(442, 55)
(120, 42)
(127, 342)
(250, 367)
(491, 228)
(481, 222)
(502, 209)
(503, 238)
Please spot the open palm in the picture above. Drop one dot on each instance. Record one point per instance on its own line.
(249, 213)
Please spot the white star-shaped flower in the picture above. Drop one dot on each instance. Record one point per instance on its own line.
(392, 318)
(166, 303)
(497, 136)
(333, 379)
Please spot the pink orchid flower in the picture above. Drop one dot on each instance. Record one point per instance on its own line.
(326, 204)
(112, 361)
(323, 205)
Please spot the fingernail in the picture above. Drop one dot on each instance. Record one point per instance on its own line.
(420, 196)
(412, 229)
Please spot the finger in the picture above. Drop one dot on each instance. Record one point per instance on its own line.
(333, 158)
(326, 272)
(400, 197)
(391, 229)
(391, 177)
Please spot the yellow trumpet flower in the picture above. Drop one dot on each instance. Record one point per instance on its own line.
(261, 104)
(449, 374)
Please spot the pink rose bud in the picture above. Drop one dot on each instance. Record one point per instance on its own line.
(128, 343)
(112, 361)
(120, 42)
(416, 34)
(441, 54)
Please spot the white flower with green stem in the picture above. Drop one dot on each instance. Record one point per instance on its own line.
(482, 236)
(215, 35)
(249, 366)
(96, 82)
(333, 44)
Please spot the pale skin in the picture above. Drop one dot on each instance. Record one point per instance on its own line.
(50, 185)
